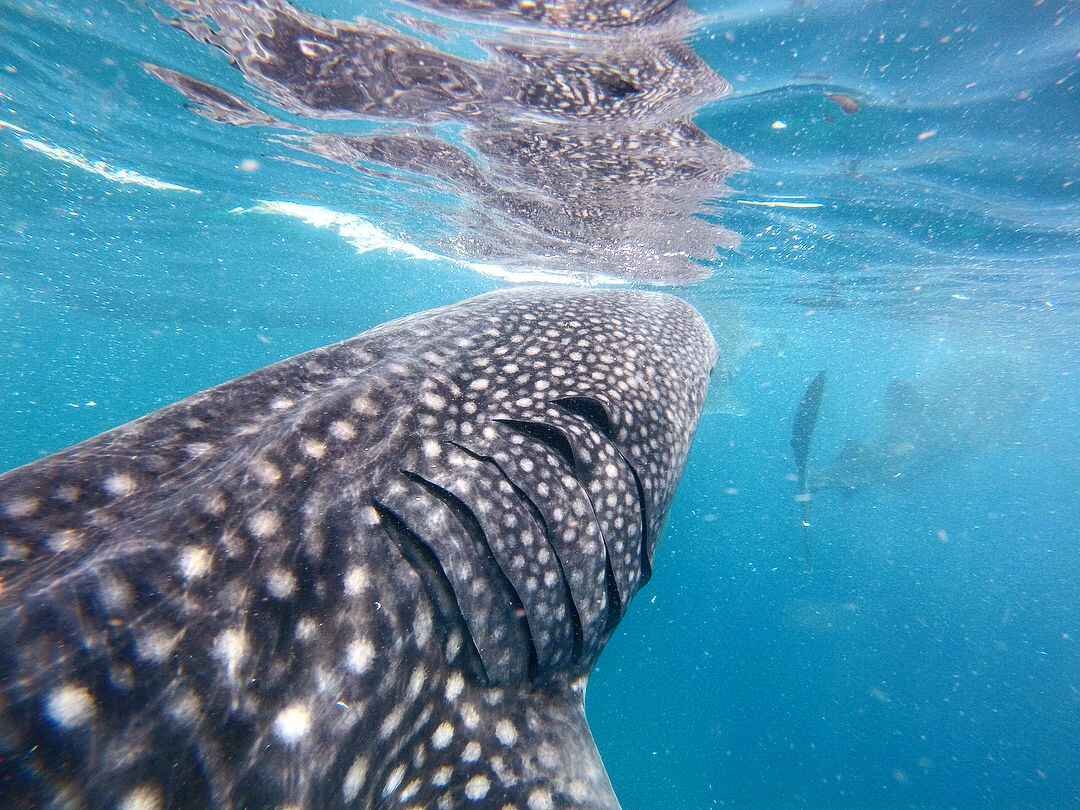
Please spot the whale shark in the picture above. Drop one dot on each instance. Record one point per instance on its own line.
(377, 574)
(915, 436)
(955, 409)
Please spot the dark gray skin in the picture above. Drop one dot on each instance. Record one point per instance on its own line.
(374, 575)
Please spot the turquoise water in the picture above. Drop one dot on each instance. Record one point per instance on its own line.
(930, 658)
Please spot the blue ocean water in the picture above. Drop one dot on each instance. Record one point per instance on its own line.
(930, 657)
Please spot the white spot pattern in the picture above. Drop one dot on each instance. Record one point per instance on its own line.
(290, 526)
(292, 723)
(71, 705)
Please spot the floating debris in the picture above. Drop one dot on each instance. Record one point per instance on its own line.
(846, 103)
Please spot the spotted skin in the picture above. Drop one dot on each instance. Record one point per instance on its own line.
(375, 575)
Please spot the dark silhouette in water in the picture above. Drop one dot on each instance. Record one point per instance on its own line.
(927, 422)
(915, 436)
(802, 434)
(802, 431)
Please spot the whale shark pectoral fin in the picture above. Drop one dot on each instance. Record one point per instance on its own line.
(527, 748)
(560, 764)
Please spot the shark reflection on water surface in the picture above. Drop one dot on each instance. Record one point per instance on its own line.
(577, 151)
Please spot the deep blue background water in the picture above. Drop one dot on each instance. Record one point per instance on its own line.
(930, 660)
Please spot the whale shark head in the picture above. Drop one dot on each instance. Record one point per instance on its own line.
(376, 574)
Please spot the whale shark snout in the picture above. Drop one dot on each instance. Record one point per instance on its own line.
(378, 573)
